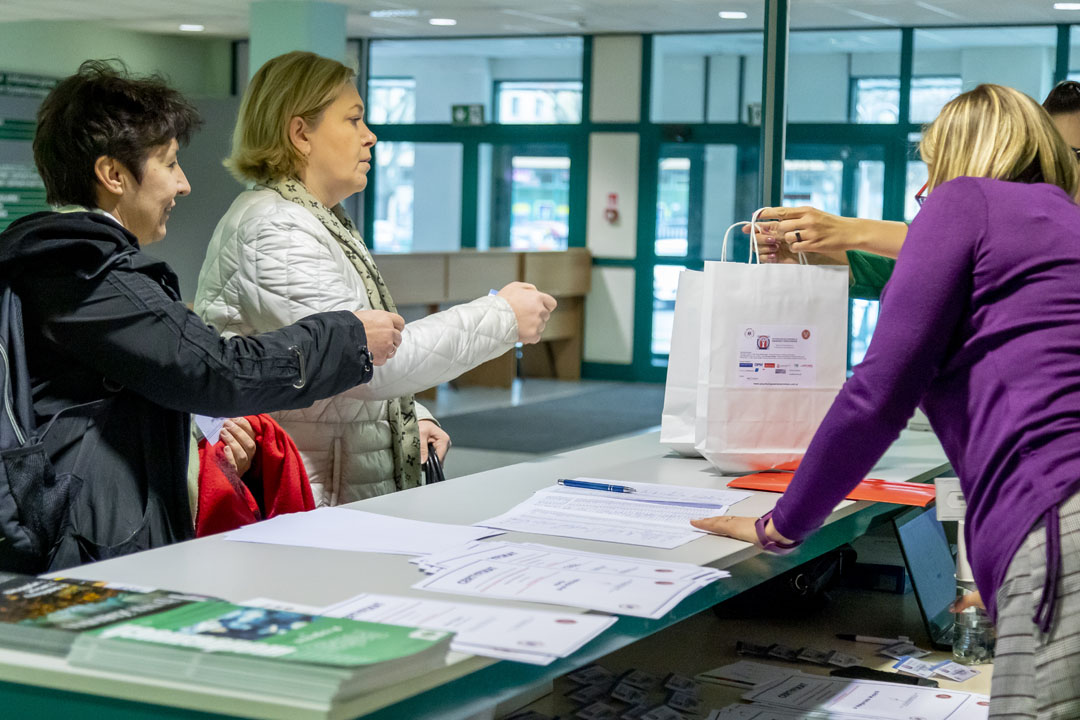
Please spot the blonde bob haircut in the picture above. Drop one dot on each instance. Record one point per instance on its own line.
(297, 84)
(1001, 133)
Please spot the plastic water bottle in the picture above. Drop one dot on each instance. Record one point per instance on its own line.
(973, 632)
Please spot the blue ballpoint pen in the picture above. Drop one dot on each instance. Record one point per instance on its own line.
(584, 485)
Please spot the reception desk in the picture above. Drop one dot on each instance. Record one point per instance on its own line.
(34, 686)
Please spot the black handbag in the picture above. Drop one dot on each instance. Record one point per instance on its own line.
(802, 589)
(433, 470)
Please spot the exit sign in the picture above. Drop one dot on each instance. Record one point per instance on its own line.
(467, 114)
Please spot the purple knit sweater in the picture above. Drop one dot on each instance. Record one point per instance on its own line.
(980, 323)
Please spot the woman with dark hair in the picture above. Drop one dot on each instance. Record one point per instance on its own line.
(1063, 104)
(106, 330)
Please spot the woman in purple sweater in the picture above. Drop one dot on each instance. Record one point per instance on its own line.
(980, 324)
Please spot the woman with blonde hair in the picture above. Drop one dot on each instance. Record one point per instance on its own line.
(286, 249)
(867, 245)
(981, 325)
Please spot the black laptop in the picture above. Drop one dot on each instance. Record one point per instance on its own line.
(932, 568)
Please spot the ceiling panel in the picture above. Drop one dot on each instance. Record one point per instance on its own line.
(530, 17)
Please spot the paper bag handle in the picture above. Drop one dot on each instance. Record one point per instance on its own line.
(753, 240)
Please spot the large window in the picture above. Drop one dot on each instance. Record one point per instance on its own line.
(391, 101)
(439, 74)
(537, 102)
(817, 183)
(929, 95)
(877, 100)
(417, 196)
(823, 65)
(953, 60)
(519, 187)
(706, 78)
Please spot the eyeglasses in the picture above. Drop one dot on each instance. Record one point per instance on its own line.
(920, 196)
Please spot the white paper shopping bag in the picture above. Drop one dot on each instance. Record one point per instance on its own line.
(773, 356)
(680, 390)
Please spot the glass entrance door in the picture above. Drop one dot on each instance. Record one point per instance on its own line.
(529, 204)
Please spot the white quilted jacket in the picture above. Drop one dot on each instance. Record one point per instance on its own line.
(271, 263)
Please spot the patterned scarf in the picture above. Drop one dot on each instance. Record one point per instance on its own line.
(401, 412)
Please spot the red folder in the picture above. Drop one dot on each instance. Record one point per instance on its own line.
(900, 493)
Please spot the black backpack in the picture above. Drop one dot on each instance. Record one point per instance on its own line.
(33, 500)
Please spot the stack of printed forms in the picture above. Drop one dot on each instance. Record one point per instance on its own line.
(815, 696)
(537, 637)
(530, 572)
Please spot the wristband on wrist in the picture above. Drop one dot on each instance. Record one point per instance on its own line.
(769, 544)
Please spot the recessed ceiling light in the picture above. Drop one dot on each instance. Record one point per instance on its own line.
(192, 28)
(732, 15)
(1067, 6)
(442, 21)
(393, 13)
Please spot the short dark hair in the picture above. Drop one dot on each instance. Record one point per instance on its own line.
(104, 110)
(1064, 98)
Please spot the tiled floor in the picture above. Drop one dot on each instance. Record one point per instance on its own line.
(465, 461)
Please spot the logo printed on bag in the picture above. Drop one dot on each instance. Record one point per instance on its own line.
(763, 342)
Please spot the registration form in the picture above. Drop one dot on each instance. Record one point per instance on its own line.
(535, 573)
(653, 515)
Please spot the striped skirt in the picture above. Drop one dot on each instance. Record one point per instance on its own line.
(1037, 675)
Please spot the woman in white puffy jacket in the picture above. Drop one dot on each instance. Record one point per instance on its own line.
(286, 249)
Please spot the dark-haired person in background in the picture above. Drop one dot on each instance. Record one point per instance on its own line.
(1063, 104)
(105, 325)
